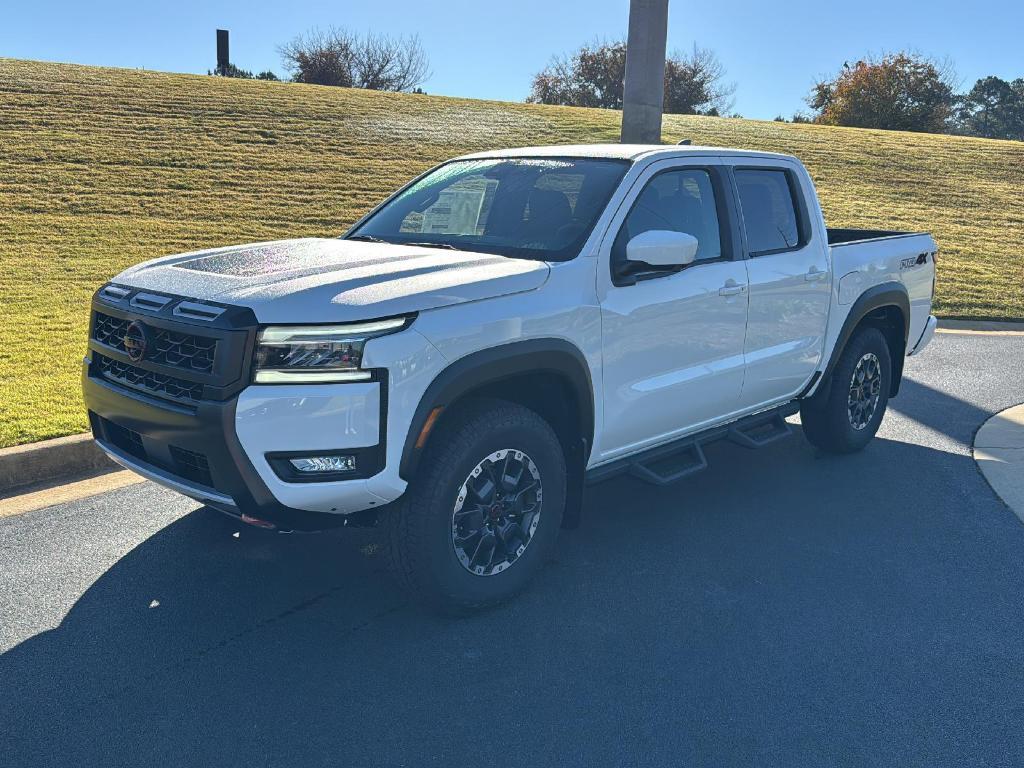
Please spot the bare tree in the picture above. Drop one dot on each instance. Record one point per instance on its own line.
(340, 57)
(695, 84)
(391, 63)
(321, 58)
(593, 75)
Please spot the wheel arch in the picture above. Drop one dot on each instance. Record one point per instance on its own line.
(885, 306)
(550, 376)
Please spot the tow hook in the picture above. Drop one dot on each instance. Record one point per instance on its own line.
(258, 523)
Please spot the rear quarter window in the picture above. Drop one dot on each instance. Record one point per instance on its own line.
(768, 204)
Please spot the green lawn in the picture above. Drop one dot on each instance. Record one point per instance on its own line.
(102, 168)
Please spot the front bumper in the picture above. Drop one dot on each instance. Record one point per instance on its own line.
(197, 451)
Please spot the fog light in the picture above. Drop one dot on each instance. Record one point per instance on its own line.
(325, 464)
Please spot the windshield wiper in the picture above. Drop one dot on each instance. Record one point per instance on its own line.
(372, 239)
(446, 246)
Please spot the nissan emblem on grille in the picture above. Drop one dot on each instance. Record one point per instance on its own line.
(136, 339)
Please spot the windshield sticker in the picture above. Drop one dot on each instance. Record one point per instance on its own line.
(457, 211)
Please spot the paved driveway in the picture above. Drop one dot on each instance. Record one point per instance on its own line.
(783, 608)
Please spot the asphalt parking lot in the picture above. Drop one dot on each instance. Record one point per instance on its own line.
(782, 608)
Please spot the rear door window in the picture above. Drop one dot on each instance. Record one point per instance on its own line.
(770, 216)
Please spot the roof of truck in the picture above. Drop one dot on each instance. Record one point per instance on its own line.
(618, 151)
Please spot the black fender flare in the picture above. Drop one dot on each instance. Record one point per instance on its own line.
(888, 294)
(492, 365)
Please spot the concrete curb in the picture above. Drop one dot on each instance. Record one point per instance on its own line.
(50, 460)
(981, 326)
(999, 451)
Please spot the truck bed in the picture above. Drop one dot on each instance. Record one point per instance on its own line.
(862, 258)
(843, 236)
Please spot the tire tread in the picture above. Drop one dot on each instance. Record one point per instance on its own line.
(405, 525)
(825, 420)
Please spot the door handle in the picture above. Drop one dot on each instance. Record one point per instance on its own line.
(731, 288)
(814, 274)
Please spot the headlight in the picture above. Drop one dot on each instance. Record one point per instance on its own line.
(316, 354)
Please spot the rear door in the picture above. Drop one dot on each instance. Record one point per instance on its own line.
(672, 342)
(790, 285)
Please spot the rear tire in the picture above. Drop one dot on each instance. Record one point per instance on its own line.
(846, 419)
(483, 511)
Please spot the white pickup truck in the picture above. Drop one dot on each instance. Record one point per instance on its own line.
(504, 329)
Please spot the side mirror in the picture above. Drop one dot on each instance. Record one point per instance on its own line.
(662, 248)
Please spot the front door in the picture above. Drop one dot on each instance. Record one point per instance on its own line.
(672, 342)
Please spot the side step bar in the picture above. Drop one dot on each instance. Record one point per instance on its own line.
(667, 464)
(757, 434)
(675, 464)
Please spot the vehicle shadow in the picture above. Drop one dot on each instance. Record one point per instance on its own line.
(952, 416)
(783, 606)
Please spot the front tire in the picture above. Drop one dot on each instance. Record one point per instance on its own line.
(483, 511)
(849, 416)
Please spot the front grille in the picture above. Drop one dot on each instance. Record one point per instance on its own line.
(191, 465)
(188, 351)
(109, 330)
(184, 350)
(149, 381)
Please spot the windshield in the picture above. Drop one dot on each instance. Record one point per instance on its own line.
(533, 208)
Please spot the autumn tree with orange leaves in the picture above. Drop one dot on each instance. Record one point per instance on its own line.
(897, 92)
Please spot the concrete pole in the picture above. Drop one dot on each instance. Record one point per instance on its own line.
(644, 91)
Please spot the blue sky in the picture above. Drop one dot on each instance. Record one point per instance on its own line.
(490, 49)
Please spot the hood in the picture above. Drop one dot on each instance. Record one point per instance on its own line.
(328, 280)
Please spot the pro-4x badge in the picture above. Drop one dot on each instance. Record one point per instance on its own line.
(914, 261)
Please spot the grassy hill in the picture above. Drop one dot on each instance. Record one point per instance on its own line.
(101, 168)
